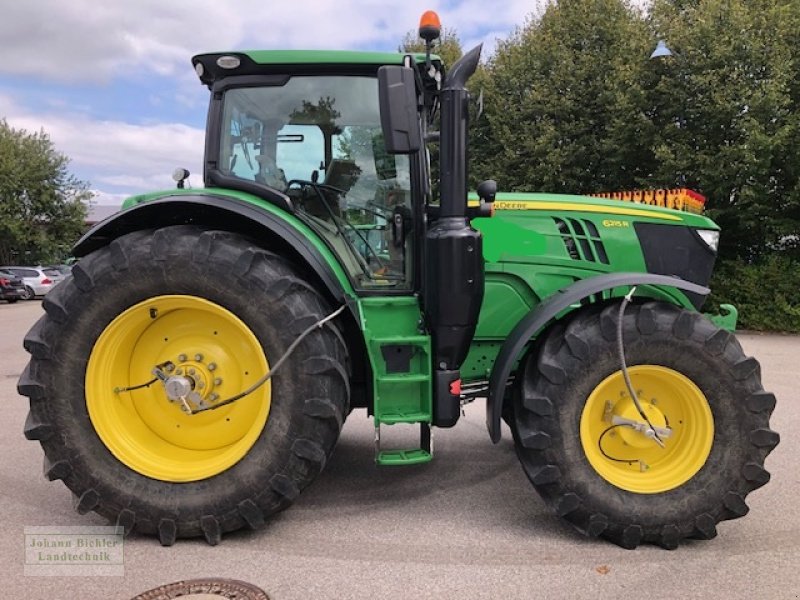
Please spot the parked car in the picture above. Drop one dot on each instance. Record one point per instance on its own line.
(37, 280)
(63, 269)
(11, 287)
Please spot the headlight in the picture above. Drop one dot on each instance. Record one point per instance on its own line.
(710, 237)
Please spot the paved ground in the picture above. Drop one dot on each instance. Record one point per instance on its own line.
(467, 525)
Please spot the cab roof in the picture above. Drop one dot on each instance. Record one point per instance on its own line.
(256, 62)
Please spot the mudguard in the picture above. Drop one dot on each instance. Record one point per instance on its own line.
(545, 312)
(218, 211)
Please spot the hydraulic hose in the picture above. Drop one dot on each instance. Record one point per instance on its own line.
(269, 374)
(625, 301)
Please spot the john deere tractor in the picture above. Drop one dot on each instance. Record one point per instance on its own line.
(192, 376)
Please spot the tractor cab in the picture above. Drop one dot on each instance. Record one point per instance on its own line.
(303, 130)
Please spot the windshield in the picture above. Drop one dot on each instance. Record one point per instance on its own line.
(318, 139)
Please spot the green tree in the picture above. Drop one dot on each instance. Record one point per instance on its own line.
(727, 113)
(565, 104)
(42, 206)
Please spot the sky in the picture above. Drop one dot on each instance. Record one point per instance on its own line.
(112, 83)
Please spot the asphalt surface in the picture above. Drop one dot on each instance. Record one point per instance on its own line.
(468, 525)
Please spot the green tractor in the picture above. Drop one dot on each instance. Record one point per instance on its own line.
(192, 376)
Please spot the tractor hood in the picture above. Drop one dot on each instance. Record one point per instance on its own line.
(612, 209)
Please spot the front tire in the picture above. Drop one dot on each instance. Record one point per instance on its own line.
(221, 310)
(28, 293)
(613, 481)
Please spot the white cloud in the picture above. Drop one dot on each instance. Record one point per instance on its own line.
(121, 155)
(84, 40)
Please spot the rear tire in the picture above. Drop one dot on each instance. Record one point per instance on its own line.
(28, 293)
(567, 399)
(306, 406)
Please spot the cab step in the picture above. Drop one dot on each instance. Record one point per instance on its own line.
(412, 456)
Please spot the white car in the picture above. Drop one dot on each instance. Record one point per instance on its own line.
(38, 281)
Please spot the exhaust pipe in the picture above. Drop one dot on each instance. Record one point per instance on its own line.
(454, 278)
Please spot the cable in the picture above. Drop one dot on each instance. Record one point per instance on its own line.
(604, 453)
(135, 387)
(277, 366)
(625, 301)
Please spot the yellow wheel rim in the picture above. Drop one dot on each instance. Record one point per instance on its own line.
(670, 400)
(143, 428)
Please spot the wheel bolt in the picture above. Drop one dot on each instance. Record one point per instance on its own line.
(191, 371)
(181, 358)
(201, 385)
(198, 357)
(213, 397)
(170, 367)
(217, 380)
(212, 366)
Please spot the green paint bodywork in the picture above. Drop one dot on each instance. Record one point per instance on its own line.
(727, 318)
(527, 260)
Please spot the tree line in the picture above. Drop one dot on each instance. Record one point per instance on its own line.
(42, 206)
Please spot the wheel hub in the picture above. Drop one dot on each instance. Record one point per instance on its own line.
(178, 387)
(635, 431)
(195, 385)
(647, 458)
(204, 354)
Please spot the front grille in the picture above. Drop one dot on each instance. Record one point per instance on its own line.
(581, 240)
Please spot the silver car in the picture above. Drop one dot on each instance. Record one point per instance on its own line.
(38, 281)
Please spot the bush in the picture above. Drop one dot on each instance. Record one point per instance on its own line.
(766, 293)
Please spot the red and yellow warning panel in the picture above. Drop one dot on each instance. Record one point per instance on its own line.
(677, 198)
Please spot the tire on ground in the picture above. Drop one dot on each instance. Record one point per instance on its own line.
(309, 399)
(559, 375)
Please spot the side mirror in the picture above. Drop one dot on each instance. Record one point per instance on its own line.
(397, 93)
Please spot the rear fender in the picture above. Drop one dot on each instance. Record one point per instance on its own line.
(228, 214)
(538, 318)
(268, 228)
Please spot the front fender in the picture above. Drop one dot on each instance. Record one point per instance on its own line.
(545, 312)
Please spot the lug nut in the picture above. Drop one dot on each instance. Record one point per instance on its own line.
(198, 357)
(212, 397)
(191, 371)
(201, 385)
(217, 380)
(179, 372)
(212, 366)
(181, 358)
(170, 367)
